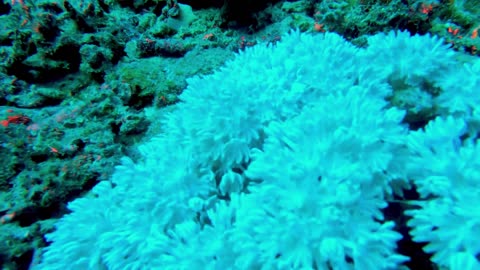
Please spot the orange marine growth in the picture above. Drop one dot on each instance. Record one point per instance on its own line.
(15, 119)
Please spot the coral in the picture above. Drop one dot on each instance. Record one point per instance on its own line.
(445, 171)
(285, 158)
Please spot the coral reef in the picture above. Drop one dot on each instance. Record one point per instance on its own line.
(83, 82)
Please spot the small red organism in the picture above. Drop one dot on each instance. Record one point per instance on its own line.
(15, 119)
(318, 27)
(426, 9)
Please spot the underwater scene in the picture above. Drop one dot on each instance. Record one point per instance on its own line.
(239, 134)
